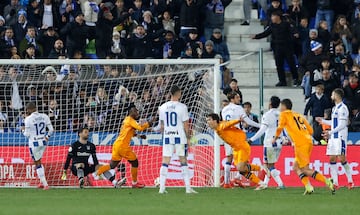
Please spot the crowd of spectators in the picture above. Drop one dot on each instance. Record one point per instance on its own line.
(33, 29)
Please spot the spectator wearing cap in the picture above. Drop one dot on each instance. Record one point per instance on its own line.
(325, 11)
(172, 46)
(312, 61)
(47, 38)
(57, 50)
(193, 41)
(188, 53)
(209, 51)
(117, 49)
(30, 38)
(104, 31)
(76, 33)
(149, 23)
(352, 91)
(49, 14)
(11, 12)
(220, 45)
(20, 27)
(282, 34)
(33, 12)
(189, 16)
(214, 16)
(6, 43)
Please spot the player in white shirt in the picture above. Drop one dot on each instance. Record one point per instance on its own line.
(231, 112)
(35, 130)
(337, 137)
(268, 126)
(174, 122)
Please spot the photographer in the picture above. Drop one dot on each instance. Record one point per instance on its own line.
(342, 63)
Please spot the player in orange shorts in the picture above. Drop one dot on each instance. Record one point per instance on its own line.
(121, 147)
(300, 131)
(236, 138)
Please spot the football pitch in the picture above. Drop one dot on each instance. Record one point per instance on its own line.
(147, 201)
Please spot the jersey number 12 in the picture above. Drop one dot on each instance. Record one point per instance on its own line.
(171, 119)
(40, 128)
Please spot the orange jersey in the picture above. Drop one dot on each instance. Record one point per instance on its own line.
(232, 135)
(127, 131)
(297, 127)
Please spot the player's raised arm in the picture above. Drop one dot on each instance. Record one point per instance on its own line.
(134, 114)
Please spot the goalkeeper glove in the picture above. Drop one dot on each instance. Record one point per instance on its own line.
(249, 141)
(64, 176)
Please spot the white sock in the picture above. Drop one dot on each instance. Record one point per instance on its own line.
(266, 180)
(227, 169)
(348, 172)
(186, 177)
(276, 175)
(334, 173)
(238, 175)
(163, 174)
(41, 174)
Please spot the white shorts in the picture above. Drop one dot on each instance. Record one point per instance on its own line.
(37, 152)
(179, 149)
(336, 146)
(228, 149)
(271, 154)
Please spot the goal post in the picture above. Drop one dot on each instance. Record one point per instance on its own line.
(95, 93)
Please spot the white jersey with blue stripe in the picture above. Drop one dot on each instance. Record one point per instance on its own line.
(339, 112)
(232, 112)
(35, 129)
(173, 114)
(270, 119)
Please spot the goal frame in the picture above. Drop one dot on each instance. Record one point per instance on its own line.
(215, 63)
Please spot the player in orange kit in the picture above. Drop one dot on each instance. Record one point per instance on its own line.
(300, 131)
(121, 147)
(236, 138)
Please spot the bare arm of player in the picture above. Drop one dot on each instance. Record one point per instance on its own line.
(187, 131)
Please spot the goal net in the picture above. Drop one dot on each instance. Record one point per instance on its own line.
(95, 94)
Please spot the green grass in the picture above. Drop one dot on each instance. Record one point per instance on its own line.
(147, 201)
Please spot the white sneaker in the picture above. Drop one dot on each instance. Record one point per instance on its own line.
(191, 191)
(120, 183)
(261, 186)
(163, 192)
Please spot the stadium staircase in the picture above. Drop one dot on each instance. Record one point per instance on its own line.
(244, 59)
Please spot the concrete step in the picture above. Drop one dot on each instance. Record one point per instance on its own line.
(249, 46)
(234, 29)
(235, 38)
(251, 94)
(235, 11)
(240, 61)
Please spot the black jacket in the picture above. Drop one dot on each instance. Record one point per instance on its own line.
(76, 34)
(310, 62)
(317, 106)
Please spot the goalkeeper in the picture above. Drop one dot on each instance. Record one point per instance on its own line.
(79, 153)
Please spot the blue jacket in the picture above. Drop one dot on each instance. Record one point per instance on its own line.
(221, 48)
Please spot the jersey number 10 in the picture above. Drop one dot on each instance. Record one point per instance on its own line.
(171, 119)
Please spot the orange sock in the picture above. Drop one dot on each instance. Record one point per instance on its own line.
(253, 167)
(134, 173)
(304, 179)
(103, 169)
(318, 176)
